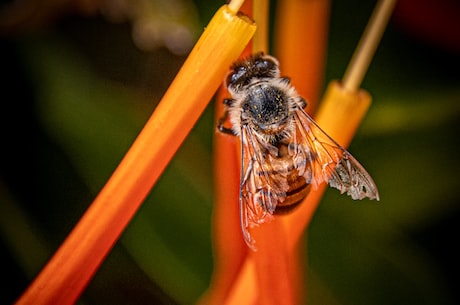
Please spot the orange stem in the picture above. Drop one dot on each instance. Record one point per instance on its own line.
(229, 248)
(277, 267)
(70, 269)
(301, 45)
(272, 264)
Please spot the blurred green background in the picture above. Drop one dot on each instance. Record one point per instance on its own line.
(79, 80)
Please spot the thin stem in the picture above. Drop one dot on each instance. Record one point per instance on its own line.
(368, 44)
(234, 5)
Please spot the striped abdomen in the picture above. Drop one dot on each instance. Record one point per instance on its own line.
(285, 182)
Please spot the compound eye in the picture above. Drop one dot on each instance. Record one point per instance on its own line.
(236, 75)
(264, 64)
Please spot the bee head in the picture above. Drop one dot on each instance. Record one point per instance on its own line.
(257, 66)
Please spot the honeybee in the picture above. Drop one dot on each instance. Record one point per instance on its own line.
(285, 153)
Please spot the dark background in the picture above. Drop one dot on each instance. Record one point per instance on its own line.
(77, 87)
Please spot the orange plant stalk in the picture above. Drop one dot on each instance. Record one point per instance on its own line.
(229, 249)
(303, 61)
(301, 32)
(67, 273)
(270, 261)
(274, 260)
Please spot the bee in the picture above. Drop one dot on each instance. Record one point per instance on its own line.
(284, 153)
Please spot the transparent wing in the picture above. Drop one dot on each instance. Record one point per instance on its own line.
(331, 163)
(267, 171)
(260, 189)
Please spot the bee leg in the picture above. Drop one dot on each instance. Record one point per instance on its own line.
(228, 102)
(286, 80)
(220, 123)
(223, 129)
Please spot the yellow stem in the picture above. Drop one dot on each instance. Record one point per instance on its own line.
(368, 44)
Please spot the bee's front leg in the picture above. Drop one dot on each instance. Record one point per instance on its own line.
(220, 124)
(228, 102)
